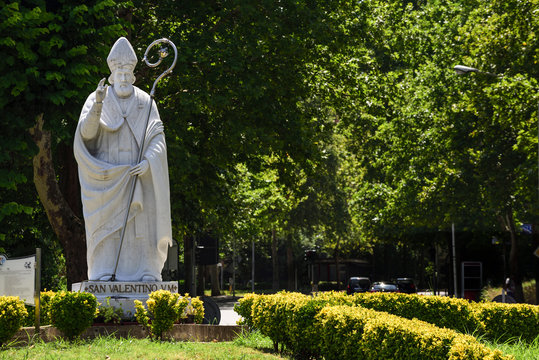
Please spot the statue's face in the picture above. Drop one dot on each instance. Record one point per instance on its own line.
(123, 79)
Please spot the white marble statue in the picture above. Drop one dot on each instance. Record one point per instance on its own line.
(109, 133)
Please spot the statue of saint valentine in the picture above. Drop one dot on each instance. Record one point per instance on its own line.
(107, 142)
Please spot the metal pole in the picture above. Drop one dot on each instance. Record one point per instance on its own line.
(253, 268)
(37, 290)
(454, 260)
(234, 268)
(193, 269)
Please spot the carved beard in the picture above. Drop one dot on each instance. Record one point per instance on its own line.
(123, 89)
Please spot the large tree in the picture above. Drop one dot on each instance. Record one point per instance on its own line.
(53, 53)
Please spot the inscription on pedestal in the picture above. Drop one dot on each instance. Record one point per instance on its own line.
(121, 294)
(129, 288)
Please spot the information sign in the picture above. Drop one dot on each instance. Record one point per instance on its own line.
(17, 278)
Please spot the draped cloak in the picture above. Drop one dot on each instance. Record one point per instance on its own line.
(104, 163)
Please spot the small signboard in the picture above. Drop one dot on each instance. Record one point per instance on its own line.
(527, 228)
(17, 277)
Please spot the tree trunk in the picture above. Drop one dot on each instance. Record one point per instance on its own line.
(66, 225)
(214, 278)
(274, 260)
(337, 265)
(514, 273)
(290, 264)
(535, 235)
(188, 263)
(201, 279)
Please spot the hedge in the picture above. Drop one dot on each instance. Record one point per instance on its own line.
(348, 332)
(452, 313)
(290, 318)
(72, 312)
(12, 314)
(506, 322)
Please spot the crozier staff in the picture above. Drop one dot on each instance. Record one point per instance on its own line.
(110, 135)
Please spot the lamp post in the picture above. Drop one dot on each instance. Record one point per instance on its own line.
(462, 70)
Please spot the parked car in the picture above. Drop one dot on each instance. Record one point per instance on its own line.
(406, 285)
(358, 285)
(384, 287)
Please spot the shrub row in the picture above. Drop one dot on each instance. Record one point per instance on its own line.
(73, 312)
(294, 321)
(496, 321)
(348, 332)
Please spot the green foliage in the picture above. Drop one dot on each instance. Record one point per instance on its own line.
(12, 314)
(244, 308)
(72, 312)
(52, 58)
(359, 333)
(109, 313)
(509, 322)
(164, 309)
(162, 305)
(44, 310)
(331, 325)
(195, 307)
(451, 313)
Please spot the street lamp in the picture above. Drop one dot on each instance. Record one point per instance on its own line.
(462, 70)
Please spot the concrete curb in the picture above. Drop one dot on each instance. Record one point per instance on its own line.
(179, 332)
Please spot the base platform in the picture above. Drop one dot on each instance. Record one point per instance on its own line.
(121, 294)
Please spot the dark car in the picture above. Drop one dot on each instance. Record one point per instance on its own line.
(406, 285)
(358, 285)
(384, 287)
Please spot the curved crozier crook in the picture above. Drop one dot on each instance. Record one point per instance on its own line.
(162, 55)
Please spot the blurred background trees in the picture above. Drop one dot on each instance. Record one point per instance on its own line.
(338, 126)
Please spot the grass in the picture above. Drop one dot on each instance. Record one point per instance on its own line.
(519, 349)
(253, 346)
(248, 346)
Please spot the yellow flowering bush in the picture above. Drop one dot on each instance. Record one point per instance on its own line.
(196, 308)
(442, 311)
(44, 305)
(164, 309)
(358, 333)
(72, 312)
(12, 314)
(506, 322)
(244, 309)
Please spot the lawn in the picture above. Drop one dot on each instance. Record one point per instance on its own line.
(252, 346)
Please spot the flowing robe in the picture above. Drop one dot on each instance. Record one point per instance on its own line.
(104, 162)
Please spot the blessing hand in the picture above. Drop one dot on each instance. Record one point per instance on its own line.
(101, 91)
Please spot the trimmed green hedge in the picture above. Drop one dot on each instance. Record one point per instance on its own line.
(292, 319)
(505, 322)
(348, 332)
(72, 312)
(456, 314)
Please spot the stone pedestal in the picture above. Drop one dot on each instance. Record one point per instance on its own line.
(121, 294)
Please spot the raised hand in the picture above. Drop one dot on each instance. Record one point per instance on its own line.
(101, 91)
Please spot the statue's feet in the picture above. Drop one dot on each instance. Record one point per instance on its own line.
(148, 278)
(105, 278)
